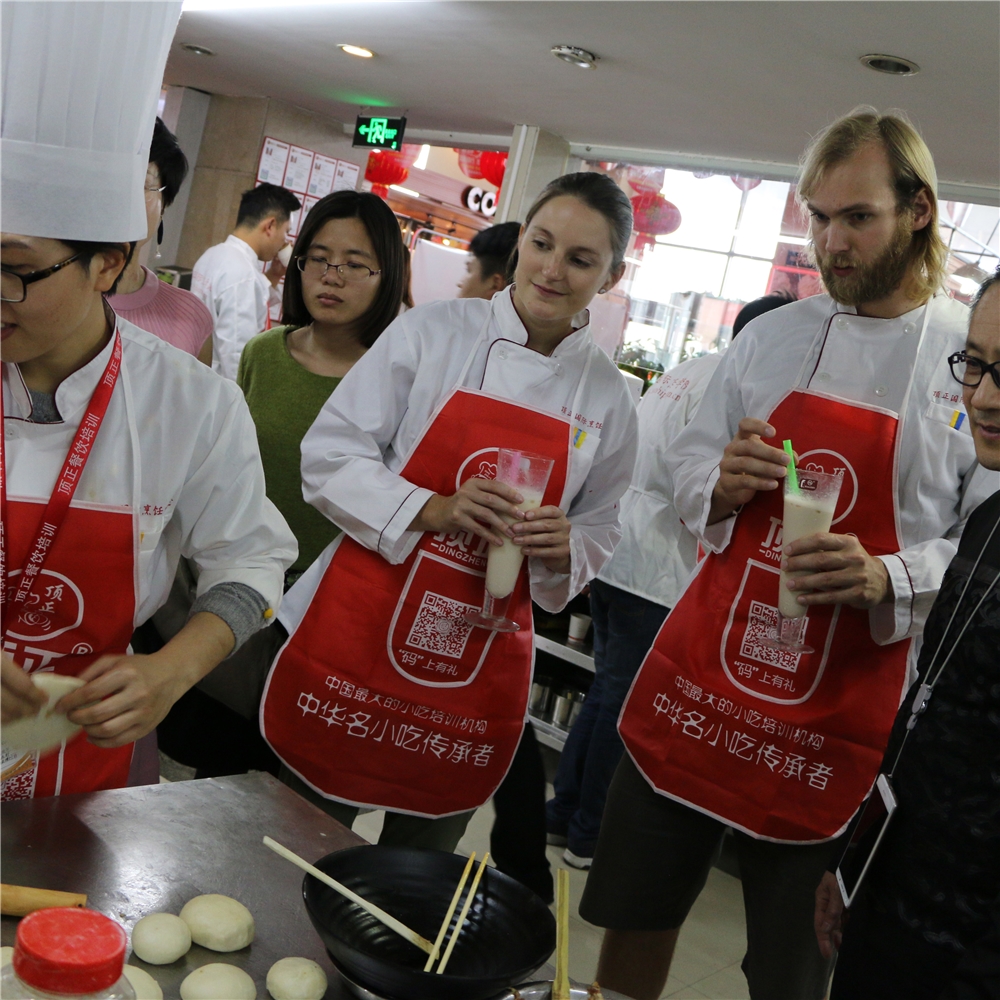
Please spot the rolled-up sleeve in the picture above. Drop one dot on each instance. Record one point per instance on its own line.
(229, 528)
(344, 475)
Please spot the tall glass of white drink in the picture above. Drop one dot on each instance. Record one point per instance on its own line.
(529, 475)
(810, 502)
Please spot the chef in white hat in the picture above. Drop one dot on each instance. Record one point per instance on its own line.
(120, 453)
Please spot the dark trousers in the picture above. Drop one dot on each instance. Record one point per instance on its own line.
(624, 629)
(881, 959)
(517, 841)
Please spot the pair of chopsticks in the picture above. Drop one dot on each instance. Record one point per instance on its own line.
(460, 923)
(377, 912)
(560, 985)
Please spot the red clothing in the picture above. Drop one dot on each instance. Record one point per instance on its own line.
(170, 313)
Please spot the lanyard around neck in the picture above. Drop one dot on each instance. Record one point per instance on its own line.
(935, 668)
(65, 488)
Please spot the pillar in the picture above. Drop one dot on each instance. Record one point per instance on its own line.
(536, 157)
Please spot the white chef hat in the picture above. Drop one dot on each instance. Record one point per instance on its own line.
(81, 80)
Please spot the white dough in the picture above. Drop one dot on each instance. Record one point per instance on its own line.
(296, 979)
(43, 731)
(218, 981)
(218, 922)
(145, 986)
(6, 955)
(161, 938)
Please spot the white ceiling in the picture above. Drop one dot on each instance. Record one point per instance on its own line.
(732, 80)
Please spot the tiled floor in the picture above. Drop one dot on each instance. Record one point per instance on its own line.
(710, 948)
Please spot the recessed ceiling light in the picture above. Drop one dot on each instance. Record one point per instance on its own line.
(357, 50)
(893, 65)
(198, 50)
(575, 56)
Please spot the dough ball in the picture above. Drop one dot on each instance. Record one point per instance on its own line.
(218, 922)
(43, 731)
(161, 938)
(218, 981)
(145, 986)
(6, 955)
(296, 979)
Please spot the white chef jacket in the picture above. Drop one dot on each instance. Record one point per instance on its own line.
(230, 280)
(198, 484)
(365, 432)
(657, 554)
(938, 481)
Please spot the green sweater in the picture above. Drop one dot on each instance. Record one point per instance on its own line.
(284, 400)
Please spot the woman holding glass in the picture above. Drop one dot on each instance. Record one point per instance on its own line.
(385, 695)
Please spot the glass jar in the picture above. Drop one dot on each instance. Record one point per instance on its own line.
(67, 952)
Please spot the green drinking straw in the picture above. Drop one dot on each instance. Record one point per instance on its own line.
(793, 476)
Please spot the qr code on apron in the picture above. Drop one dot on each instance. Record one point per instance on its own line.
(762, 621)
(439, 626)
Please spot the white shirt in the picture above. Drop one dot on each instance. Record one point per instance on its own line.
(938, 481)
(352, 454)
(198, 485)
(657, 554)
(229, 279)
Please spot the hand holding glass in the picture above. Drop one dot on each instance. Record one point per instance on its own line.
(810, 502)
(529, 475)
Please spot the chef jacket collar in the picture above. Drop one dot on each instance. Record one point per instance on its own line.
(245, 249)
(511, 327)
(839, 309)
(75, 391)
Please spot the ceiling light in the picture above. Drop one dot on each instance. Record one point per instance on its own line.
(575, 56)
(357, 50)
(893, 65)
(403, 190)
(198, 50)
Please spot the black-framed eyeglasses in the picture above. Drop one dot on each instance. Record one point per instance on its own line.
(14, 287)
(316, 267)
(970, 371)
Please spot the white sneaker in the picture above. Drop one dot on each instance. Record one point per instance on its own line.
(575, 861)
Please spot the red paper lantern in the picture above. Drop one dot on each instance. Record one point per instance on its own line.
(745, 183)
(493, 167)
(384, 168)
(644, 179)
(468, 162)
(653, 216)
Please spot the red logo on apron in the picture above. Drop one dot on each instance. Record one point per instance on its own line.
(384, 696)
(781, 745)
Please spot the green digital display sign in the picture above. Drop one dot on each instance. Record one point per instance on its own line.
(379, 133)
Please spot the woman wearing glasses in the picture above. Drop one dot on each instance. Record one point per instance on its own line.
(344, 288)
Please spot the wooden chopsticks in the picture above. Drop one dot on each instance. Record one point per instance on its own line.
(465, 909)
(560, 985)
(447, 917)
(377, 912)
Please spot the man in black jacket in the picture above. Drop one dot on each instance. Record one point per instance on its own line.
(927, 920)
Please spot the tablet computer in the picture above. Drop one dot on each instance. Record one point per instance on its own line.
(869, 829)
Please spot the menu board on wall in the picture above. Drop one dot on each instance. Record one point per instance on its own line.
(273, 160)
(300, 164)
(347, 176)
(293, 225)
(324, 172)
(304, 171)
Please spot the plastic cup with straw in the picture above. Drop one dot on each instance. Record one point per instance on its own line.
(810, 498)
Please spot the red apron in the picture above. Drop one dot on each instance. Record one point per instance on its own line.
(79, 607)
(781, 745)
(384, 696)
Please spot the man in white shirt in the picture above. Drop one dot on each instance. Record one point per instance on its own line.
(630, 598)
(229, 278)
(862, 370)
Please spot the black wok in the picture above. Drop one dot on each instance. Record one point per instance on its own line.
(509, 931)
